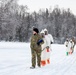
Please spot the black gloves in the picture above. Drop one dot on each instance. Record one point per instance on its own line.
(51, 42)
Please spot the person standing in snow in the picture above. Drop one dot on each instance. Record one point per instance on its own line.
(36, 42)
(43, 53)
(66, 44)
(73, 39)
(49, 40)
(71, 45)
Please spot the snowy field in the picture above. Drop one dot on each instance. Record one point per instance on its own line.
(15, 59)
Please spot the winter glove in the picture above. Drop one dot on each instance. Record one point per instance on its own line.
(51, 42)
(40, 41)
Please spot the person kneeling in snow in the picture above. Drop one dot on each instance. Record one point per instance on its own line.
(36, 42)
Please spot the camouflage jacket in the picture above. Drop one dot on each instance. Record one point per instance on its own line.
(34, 40)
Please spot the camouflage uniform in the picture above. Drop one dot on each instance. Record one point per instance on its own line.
(35, 50)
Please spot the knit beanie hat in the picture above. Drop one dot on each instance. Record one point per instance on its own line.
(36, 30)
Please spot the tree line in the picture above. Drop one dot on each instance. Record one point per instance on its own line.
(16, 22)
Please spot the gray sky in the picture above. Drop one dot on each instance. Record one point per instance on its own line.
(35, 5)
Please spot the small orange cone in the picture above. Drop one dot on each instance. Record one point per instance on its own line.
(48, 61)
(48, 50)
(70, 52)
(43, 63)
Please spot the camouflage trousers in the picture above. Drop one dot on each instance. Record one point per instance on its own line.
(36, 55)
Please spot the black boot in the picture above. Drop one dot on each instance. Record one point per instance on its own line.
(32, 67)
(39, 65)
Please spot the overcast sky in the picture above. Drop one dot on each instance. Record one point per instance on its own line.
(35, 5)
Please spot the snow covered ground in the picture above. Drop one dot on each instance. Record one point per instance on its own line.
(15, 59)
